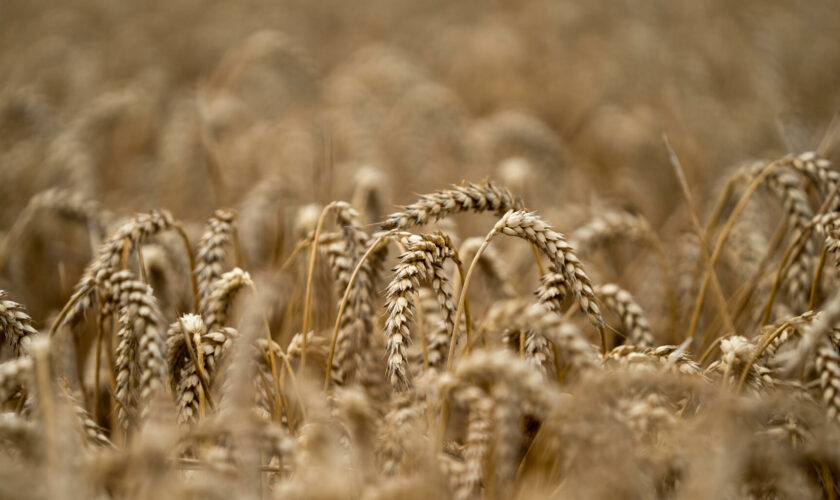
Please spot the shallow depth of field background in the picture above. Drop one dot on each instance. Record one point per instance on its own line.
(426, 93)
(276, 108)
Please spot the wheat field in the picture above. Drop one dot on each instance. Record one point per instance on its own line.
(410, 250)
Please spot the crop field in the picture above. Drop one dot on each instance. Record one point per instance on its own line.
(301, 249)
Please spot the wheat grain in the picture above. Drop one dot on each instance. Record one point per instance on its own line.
(478, 443)
(632, 317)
(564, 262)
(786, 187)
(14, 376)
(15, 324)
(211, 252)
(609, 227)
(99, 272)
(141, 354)
(828, 370)
(222, 293)
(435, 206)
(423, 260)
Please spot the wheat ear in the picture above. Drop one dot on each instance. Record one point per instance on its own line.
(632, 316)
(423, 260)
(486, 197)
(211, 252)
(565, 263)
(141, 353)
(15, 325)
(222, 294)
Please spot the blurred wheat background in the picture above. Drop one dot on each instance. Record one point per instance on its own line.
(238, 240)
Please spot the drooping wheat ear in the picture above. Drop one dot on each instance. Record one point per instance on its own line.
(511, 383)
(786, 186)
(819, 171)
(570, 342)
(15, 325)
(19, 432)
(369, 195)
(536, 348)
(72, 206)
(611, 226)
(540, 324)
(423, 260)
(736, 351)
(507, 415)
(813, 335)
(264, 401)
(222, 293)
(437, 333)
(669, 357)
(15, 375)
(317, 344)
(491, 264)
(632, 316)
(398, 428)
(92, 434)
(478, 442)
(211, 252)
(485, 368)
(141, 352)
(185, 380)
(791, 329)
(97, 276)
(360, 418)
(566, 271)
(828, 370)
(66, 204)
(828, 225)
(358, 320)
(485, 197)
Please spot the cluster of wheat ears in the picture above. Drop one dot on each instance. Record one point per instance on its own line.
(410, 393)
(203, 295)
